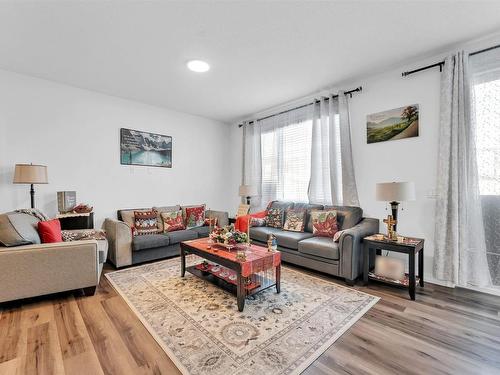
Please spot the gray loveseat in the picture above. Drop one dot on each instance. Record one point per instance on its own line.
(126, 249)
(343, 258)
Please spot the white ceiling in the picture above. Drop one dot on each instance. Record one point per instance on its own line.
(262, 53)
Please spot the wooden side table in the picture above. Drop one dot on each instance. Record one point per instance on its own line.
(411, 247)
(73, 221)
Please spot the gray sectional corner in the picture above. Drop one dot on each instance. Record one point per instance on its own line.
(342, 258)
(126, 249)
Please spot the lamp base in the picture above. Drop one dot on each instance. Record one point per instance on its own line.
(32, 194)
(394, 208)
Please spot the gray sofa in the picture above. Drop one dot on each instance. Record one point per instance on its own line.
(343, 258)
(34, 269)
(126, 249)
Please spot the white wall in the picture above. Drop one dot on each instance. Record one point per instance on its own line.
(76, 134)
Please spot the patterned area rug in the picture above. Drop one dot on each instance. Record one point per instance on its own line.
(199, 326)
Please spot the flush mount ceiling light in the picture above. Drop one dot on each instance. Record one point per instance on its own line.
(198, 66)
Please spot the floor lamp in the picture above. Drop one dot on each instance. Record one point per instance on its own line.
(31, 174)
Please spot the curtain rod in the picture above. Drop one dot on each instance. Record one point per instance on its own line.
(441, 63)
(350, 92)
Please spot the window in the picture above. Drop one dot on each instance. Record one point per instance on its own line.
(286, 162)
(487, 108)
(486, 93)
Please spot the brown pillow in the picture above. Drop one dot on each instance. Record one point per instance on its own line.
(146, 222)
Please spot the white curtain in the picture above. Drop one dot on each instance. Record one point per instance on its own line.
(460, 250)
(332, 168)
(252, 165)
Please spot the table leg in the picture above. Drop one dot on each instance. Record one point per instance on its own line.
(411, 275)
(278, 278)
(366, 264)
(240, 292)
(183, 262)
(421, 266)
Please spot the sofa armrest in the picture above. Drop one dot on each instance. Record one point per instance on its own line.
(119, 235)
(33, 270)
(351, 250)
(222, 217)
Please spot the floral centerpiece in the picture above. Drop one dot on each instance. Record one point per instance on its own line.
(227, 236)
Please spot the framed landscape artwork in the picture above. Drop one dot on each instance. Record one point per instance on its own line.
(147, 149)
(398, 123)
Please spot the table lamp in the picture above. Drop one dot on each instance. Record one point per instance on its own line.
(31, 174)
(248, 191)
(394, 193)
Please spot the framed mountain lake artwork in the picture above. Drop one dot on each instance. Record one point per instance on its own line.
(398, 123)
(143, 148)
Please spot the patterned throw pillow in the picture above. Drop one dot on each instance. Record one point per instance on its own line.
(172, 221)
(145, 222)
(274, 217)
(258, 222)
(210, 222)
(324, 223)
(194, 216)
(295, 220)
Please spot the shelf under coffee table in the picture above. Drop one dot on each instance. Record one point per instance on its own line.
(258, 260)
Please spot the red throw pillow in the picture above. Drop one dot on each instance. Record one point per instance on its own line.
(50, 231)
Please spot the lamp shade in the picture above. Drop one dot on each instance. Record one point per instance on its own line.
(248, 191)
(30, 174)
(395, 191)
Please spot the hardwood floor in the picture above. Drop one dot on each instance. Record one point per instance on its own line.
(445, 331)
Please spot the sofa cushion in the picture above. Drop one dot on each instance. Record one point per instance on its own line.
(295, 219)
(8, 234)
(128, 216)
(347, 216)
(172, 221)
(50, 231)
(275, 218)
(194, 216)
(145, 222)
(201, 231)
(321, 247)
(26, 226)
(308, 207)
(283, 205)
(291, 239)
(150, 241)
(260, 233)
(324, 223)
(164, 209)
(182, 235)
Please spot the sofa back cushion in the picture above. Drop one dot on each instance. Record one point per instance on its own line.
(347, 216)
(308, 207)
(26, 225)
(283, 205)
(18, 229)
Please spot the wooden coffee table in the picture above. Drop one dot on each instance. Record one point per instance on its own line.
(248, 280)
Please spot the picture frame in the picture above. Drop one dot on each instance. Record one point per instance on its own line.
(140, 148)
